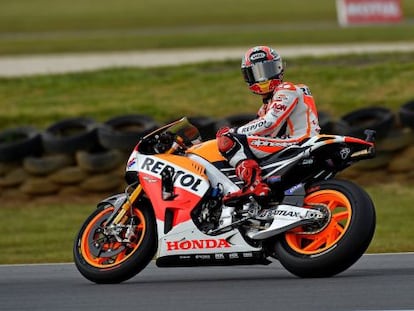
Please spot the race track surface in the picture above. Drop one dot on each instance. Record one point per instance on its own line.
(375, 282)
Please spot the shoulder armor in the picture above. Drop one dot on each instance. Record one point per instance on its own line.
(286, 86)
(305, 89)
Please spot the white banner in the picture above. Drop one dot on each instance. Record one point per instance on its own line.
(357, 12)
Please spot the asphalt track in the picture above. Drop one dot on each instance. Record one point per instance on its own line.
(26, 65)
(375, 282)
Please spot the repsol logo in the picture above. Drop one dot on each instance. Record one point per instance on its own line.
(184, 179)
(197, 244)
(251, 127)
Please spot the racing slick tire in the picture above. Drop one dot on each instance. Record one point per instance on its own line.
(101, 259)
(340, 242)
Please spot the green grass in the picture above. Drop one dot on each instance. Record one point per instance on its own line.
(41, 15)
(395, 212)
(38, 233)
(33, 233)
(44, 26)
(339, 84)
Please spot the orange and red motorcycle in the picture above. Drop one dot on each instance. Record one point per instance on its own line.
(172, 211)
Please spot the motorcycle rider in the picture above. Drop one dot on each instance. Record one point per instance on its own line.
(287, 116)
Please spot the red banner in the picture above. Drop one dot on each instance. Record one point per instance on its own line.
(355, 12)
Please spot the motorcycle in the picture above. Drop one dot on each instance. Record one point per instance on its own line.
(172, 211)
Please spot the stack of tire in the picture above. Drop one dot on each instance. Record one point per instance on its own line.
(79, 156)
(75, 156)
(394, 161)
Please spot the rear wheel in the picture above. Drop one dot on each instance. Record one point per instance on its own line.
(115, 255)
(340, 242)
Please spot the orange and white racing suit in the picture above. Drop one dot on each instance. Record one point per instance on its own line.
(287, 118)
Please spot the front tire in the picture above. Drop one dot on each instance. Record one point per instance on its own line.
(341, 242)
(102, 259)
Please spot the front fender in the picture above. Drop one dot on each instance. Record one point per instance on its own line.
(116, 200)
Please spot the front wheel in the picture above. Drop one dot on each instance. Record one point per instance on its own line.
(341, 242)
(114, 255)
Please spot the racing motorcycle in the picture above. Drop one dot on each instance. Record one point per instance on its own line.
(172, 210)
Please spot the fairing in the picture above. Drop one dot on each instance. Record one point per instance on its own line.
(190, 185)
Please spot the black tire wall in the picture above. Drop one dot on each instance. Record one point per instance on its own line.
(17, 143)
(71, 135)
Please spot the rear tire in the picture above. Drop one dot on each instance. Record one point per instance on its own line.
(101, 259)
(341, 243)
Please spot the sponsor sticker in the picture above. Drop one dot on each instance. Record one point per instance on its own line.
(184, 245)
(354, 12)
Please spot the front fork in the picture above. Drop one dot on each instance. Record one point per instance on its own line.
(123, 203)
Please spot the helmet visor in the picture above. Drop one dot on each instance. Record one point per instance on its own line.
(262, 71)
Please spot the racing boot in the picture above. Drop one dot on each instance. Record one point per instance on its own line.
(249, 172)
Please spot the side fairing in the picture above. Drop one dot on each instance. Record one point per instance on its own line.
(189, 182)
(207, 150)
(217, 167)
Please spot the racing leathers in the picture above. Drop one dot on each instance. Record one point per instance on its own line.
(285, 119)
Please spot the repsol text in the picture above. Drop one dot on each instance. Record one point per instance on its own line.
(183, 178)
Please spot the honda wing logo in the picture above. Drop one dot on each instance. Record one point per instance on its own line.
(344, 153)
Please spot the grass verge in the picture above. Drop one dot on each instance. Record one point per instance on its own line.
(339, 84)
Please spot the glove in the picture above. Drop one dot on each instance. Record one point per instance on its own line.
(224, 131)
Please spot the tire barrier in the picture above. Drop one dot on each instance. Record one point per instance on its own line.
(123, 132)
(396, 139)
(329, 125)
(14, 178)
(404, 163)
(47, 164)
(17, 143)
(7, 167)
(406, 114)
(206, 125)
(101, 183)
(375, 118)
(238, 119)
(326, 122)
(99, 162)
(39, 186)
(71, 135)
(71, 175)
(79, 157)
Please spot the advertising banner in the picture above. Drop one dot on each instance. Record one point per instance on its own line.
(357, 12)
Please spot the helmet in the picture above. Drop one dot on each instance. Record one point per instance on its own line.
(262, 69)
